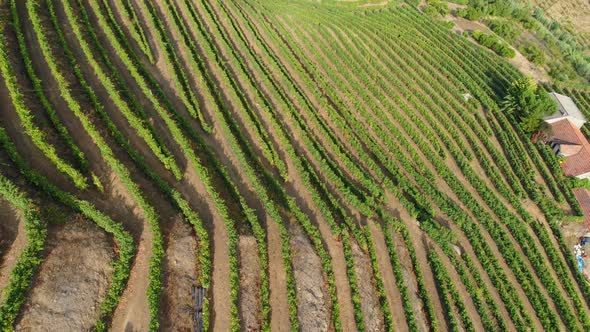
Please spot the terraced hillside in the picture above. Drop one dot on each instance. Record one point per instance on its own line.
(313, 166)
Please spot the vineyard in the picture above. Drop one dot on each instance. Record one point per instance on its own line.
(261, 165)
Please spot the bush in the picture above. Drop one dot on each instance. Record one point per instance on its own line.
(534, 53)
(470, 14)
(505, 28)
(436, 8)
(494, 43)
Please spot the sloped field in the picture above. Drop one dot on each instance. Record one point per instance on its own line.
(312, 166)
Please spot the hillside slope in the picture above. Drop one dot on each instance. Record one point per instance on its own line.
(275, 165)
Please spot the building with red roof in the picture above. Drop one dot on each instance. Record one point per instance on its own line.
(568, 141)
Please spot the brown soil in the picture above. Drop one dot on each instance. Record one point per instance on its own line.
(410, 280)
(460, 287)
(391, 291)
(178, 308)
(279, 316)
(132, 314)
(12, 245)
(10, 226)
(313, 299)
(71, 281)
(372, 313)
(249, 284)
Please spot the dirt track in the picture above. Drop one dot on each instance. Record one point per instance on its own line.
(12, 242)
(71, 281)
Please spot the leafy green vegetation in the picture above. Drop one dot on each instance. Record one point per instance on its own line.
(529, 103)
(261, 118)
(492, 42)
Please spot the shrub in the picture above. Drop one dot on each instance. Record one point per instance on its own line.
(494, 43)
(534, 53)
(505, 28)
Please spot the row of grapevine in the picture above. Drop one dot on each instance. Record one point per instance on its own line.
(137, 32)
(37, 135)
(485, 305)
(304, 166)
(123, 240)
(198, 67)
(352, 279)
(302, 99)
(537, 160)
(179, 76)
(151, 216)
(172, 122)
(29, 259)
(143, 129)
(359, 314)
(450, 295)
(326, 164)
(272, 208)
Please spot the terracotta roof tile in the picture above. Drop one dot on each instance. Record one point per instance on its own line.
(566, 132)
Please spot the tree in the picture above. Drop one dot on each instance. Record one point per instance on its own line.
(528, 103)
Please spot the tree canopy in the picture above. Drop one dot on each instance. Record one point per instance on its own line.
(528, 103)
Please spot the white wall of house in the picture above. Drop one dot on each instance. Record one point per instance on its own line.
(576, 121)
(584, 176)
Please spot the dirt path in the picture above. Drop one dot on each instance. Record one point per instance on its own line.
(9, 228)
(373, 315)
(72, 280)
(220, 302)
(178, 308)
(249, 284)
(279, 315)
(11, 218)
(391, 291)
(313, 299)
(132, 313)
(460, 287)
(410, 281)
